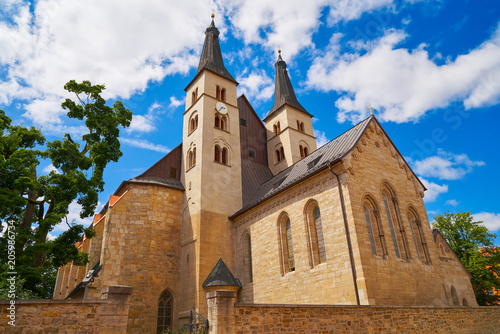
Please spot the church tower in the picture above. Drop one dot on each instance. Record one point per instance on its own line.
(211, 173)
(290, 135)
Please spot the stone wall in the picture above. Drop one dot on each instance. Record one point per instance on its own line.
(253, 319)
(372, 167)
(107, 315)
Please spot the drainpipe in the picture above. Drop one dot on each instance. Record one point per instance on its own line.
(349, 245)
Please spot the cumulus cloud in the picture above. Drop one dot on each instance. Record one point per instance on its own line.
(433, 190)
(490, 220)
(445, 166)
(49, 168)
(290, 24)
(320, 138)
(401, 84)
(257, 86)
(142, 143)
(452, 202)
(73, 217)
(146, 123)
(105, 42)
(175, 103)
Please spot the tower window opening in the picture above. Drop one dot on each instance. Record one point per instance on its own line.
(224, 156)
(217, 94)
(223, 94)
(217, 153)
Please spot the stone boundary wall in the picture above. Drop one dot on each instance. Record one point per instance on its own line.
(65, 316)
(256, 319)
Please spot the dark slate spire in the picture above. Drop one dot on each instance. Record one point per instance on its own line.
(211, 56)
(221, 276)
(283, 90)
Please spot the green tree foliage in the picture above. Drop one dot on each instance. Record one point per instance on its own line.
(474, 245)
(34, 204)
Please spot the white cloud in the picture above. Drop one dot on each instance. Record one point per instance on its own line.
(175, 103)
(146, 123)
(452, 202)
(256, 86)
(490, 220)
(401, 84)
(320, 138)
(49, 168)
(107, 42)
(349, 10)
(142, 143)
(445, 166)
(290, 24)
(433, 190)
(73, 217)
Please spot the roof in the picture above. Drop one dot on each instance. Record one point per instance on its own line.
(211, 56)
(221, 276)
(283, 90)
(160, 172)
(318, 160)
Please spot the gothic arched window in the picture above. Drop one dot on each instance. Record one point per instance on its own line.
(418, 236)
(317, 250)
(165, 312)
(224, 156)
(286, 245)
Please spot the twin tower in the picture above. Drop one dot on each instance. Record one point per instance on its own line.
(212, 154)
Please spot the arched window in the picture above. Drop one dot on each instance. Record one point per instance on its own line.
(248, 257)
(301, 151)
(298, 125)
(278, 126)
(396, 224)
(275, 128)
(223, 123)
(224, 156)
(464, 302)
(217, 153)
(317, 251)
(223, 94)
(191, 158)
(373, 224)
(391, 227)
(165, 312)
(301, 127)
(418, 236)
(193, 123)
(286, 245)
(454, 296)
(306, 151)
(280, 154)
(217, 121)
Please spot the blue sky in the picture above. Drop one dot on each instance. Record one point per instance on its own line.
(430, 69)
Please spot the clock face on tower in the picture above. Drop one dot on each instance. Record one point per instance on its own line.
(221, 108)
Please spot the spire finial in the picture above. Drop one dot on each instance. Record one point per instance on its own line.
(213, 16)
(371, 109)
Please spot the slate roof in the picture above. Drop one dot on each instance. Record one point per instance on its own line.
(283, 90)
(329, 153)
(221, 276)
(211, 56)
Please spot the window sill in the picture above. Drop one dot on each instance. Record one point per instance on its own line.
(221, 129)
(193, 166)
(220, 163)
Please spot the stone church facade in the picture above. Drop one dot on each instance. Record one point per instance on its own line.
(343, 224)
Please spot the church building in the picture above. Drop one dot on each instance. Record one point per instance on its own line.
(254, 206)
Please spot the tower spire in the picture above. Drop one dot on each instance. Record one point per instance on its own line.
(211, 56)
(283, 90)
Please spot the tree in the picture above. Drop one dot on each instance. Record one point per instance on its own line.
(32, 205)
(474, 246)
